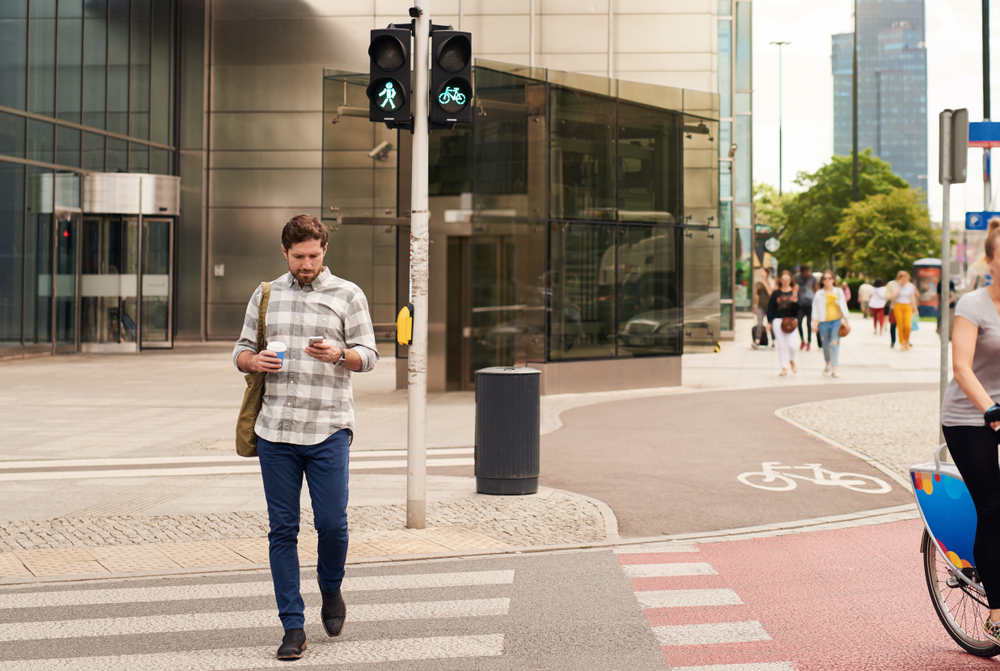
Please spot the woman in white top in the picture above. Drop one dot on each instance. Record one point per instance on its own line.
(829, 309)
(877, 305)
(904, 305)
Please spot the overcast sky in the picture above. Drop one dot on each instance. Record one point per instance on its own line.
(954, 64)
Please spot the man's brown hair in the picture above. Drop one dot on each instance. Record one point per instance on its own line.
(302, 227)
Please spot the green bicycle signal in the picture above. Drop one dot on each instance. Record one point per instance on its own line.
(451, 94)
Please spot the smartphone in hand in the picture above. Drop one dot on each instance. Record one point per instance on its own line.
(315, 340)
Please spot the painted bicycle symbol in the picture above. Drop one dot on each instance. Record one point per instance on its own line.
(777, 478)
(451, 93)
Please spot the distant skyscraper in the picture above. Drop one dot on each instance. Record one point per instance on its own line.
(892, 86)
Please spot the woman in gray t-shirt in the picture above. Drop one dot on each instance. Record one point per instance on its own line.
(970, 416)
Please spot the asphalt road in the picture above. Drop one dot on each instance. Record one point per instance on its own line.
(669, 465)
(573, 611)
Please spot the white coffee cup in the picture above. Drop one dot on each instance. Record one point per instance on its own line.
(278, 348)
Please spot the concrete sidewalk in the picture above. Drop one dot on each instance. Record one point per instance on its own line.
(125, 463)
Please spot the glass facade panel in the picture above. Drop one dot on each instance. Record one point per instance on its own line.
(743, 103)
(582, 155)
(159, 161)
(41, 141)
(741, 295)
(726, 250)
(92, 157)
(38, 258)
(725, 68)
(743, 51)
(725, 138)
(70, 66)
(11, 258)
(160, 87)
(117, 159)
(68, 146)
(139, 66)
(725, 7)
(650, 186)
(450, 162)
(650, 317)
(109, 267)
(509, 293)
(118, 68)
(13, 53)
(582, 264)
(95, 57)
(138, 159)
(12, 135)
(725, 179)
(41, 63)
(742, 169)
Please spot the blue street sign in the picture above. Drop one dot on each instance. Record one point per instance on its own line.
(979, 221)
(984, 134)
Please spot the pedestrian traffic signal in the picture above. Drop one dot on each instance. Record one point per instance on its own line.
(451, 77)
(389, 75)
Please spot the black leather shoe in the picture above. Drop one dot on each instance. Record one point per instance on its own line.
(292, 644)
(334, 611)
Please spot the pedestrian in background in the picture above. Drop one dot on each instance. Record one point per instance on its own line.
(876, 305)
(969, 420)
(828, 312)
(807, 288)
(761, 299)
(306, 422)
(784, 305)
(904, 307)
(890, 316)
(864, 299)
(843, 287)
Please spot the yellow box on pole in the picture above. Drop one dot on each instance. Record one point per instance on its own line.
(404, 325)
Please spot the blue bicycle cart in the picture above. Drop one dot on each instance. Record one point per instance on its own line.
(949, 532)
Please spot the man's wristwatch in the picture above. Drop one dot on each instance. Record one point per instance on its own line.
(992, 414)
(342, 359)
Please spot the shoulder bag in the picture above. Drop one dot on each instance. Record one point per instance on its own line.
(789, 324)
(253, 397)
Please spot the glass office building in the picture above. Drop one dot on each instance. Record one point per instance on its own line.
(892, 87)
(87, 90)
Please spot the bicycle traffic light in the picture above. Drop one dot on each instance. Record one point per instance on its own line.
(451, 77)
(389, 75)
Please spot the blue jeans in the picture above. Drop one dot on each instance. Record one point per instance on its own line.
(325, 466)
(830, 334)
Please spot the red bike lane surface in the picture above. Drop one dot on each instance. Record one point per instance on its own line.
(845, 599)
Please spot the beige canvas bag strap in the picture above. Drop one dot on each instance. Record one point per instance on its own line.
(265, 298)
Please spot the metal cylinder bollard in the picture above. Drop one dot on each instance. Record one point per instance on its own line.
(507, 430)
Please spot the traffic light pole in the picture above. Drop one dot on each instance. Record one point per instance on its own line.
(945, 178)
(416, 378)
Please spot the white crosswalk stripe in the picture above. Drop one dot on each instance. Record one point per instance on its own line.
(720, 632)
(248, 589)
(232, 659)
(24, 620)
(685, 598)
(668, 570)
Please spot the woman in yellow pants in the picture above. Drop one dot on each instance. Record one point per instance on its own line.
(904, 299)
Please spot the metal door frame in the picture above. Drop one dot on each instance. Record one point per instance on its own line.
(169, 342)
(75, 215)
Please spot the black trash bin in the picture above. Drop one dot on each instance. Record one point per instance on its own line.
(507, 430)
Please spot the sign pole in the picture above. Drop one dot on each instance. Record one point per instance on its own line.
(416, 379)
(946, 178)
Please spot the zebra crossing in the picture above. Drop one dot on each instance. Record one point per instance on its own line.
(700, 623)
(83, 620)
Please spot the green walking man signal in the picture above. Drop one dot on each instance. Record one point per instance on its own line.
(389, 93)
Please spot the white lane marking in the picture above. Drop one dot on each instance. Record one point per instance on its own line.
(246, 469)
(246, 589)
(759, 666)
(318, 653)
(655, 549)
(681, 598)
(703, 634)
(221, 459)
(253, 619)
(668, 570)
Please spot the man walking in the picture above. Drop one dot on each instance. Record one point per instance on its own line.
(807, 289)
(306, 423)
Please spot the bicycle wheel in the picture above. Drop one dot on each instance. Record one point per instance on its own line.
(861, 483)
(763, 481)
(961, 609)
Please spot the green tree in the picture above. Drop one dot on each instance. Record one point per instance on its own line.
(813, 215)
(886, 233)
(769, 207)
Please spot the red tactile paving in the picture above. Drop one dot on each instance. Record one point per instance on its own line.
(852, 599)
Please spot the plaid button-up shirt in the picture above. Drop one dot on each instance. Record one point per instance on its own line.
(308, 400)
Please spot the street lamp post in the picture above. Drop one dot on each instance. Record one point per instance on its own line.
(780, 152)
